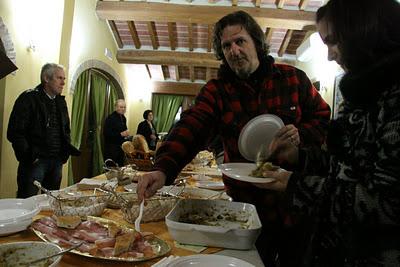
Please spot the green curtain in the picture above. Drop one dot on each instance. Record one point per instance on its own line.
(113, 97)
(78, 116)
(98, 92)
(164, 109)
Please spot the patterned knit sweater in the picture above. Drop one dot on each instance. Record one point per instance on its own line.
(356, 206)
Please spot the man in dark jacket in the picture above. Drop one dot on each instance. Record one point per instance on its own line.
(39, 131)
(115, 133)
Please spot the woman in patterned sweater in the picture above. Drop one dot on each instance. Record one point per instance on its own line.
(356, 205)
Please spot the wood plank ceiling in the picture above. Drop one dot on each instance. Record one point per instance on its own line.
(173, 39)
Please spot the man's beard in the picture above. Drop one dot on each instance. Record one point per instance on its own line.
(242, 73)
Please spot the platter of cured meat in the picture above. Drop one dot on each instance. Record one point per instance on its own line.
(100, 238)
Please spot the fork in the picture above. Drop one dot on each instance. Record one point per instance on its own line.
(139, 217)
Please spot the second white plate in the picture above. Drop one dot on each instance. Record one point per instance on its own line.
(241, 171)
(208, 260)
(258, 132)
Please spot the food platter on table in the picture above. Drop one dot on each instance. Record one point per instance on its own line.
(159, 246)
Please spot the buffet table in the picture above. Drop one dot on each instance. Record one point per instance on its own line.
(158, 228)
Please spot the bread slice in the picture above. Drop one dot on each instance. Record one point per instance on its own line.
(113, 230)
(123, 243)
(70, 222)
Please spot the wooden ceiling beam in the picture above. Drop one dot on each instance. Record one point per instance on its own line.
(167, 58)
(285, 42)
(176, 88)
(148, 71)
(209, 37)
(114, 29)
(208, 74)
(190, 36)
(303, 4)
(167, 12)
(171, 35)
(191, 73)
(135, 38)
(177, 76)
(268, 35)
(153, 34)
(280, 4)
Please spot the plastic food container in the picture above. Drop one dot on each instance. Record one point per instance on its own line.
(216, 223)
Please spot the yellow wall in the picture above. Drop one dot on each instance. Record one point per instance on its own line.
(25, 26)
(65, 32)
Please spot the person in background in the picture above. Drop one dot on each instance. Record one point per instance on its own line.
(249, 84)
(39, 131)
(147, 129)
(356, 205)
(115, 133)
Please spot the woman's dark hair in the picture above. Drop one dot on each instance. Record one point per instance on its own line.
(251, 26)
(364, 30)
(146, 113)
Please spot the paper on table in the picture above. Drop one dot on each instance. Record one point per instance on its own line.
(194, 248)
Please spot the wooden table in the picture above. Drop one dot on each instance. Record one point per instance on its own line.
(158, 228)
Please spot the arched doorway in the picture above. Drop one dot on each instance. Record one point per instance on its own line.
(95, 93)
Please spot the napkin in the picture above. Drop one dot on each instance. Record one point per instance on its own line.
(164, 261)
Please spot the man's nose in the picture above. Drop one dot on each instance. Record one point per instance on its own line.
(235, 49)
(331, 54)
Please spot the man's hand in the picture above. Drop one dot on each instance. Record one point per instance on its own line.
(283, 148)
(149, 183)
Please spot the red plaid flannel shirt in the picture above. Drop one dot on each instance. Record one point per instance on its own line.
(225, 105)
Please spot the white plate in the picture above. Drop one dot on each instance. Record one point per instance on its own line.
(29, 251)
(241, 171)
(258, 132)
(208, 260)
(14, 209)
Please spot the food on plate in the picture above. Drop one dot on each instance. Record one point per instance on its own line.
(261, 168)
(69, 222)
(98, 240)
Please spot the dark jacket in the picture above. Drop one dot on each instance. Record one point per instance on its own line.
(113, 126)
(27, 128)
(145, 130)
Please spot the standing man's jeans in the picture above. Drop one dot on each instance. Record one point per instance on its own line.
(47, 171)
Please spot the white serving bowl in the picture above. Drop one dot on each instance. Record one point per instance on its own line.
(14, 254)
(16, 214)
(236, 225)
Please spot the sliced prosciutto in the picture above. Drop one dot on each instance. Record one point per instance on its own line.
(97, 239)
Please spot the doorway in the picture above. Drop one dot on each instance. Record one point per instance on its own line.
(95, 94)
